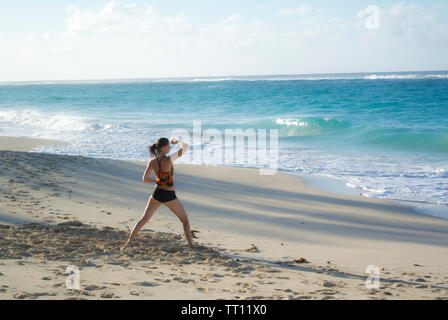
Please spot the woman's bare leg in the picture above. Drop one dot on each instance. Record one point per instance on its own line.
(177, 208)
(151, 207)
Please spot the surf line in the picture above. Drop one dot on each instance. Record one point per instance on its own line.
(198, 310)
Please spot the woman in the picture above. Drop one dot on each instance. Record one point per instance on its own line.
(164, 191)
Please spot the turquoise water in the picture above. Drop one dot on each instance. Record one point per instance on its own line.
(384, 134)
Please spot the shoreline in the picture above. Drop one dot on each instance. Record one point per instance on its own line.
(317, 182)
(260, 237)
(331, 184)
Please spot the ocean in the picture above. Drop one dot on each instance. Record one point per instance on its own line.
(382, 135)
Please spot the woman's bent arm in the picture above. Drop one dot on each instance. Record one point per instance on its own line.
(148, 171)
(184, 147)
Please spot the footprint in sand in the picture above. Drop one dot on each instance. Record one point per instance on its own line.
(94, 287)
(301, 260)
(21, 295)
(218, 275)
(329, 284)
(253, 248)
(184, 280)
(145, 284)
(114, 283)
(40, 294)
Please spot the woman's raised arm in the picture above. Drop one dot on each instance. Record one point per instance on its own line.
(184, 147)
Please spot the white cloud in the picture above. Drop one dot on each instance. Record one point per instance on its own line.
(299, 11)
(230, 34)
(233, 18)
(314, 26)
(137, 40)
(117, 20)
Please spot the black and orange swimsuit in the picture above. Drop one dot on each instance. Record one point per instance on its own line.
(164, 178)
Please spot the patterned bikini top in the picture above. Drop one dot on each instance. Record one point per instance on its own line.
(164, 178)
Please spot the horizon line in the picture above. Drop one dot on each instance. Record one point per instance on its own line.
(214, 76)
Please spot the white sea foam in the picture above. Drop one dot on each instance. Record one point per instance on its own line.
(212, 79)
(405, 76)
(52, 124)
(409, 179)
(390, 76)
(440, 76)
(291, 122)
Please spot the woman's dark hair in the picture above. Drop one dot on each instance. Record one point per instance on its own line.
(155, 148)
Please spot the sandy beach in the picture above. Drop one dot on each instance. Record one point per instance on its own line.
(257, 237)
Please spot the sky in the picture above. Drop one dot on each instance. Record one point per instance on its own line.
(96, 39)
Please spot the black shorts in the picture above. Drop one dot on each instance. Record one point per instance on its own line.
(163, 195)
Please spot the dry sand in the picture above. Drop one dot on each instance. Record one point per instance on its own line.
(258, 237)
